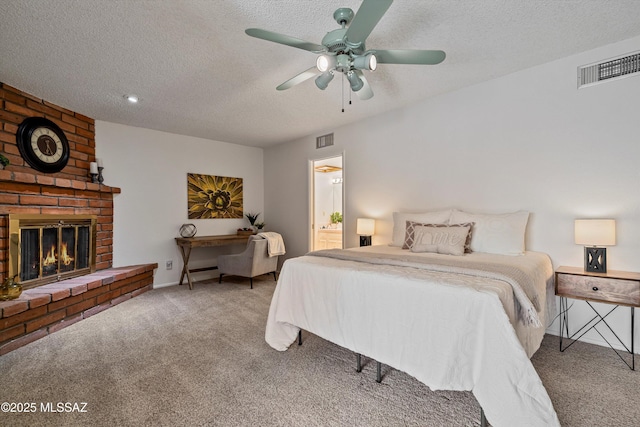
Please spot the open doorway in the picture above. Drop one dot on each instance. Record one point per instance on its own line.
(327, 204)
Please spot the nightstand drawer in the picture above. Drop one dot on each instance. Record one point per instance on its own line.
(602, 289)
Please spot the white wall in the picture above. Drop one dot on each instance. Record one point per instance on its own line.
(151, 169)
(530, 140)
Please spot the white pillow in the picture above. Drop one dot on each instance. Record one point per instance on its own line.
(449, 239)
(495, 233)
(400, 222)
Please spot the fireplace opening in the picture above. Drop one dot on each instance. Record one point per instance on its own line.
(47, 248)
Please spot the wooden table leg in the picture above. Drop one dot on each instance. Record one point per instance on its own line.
(186, 253)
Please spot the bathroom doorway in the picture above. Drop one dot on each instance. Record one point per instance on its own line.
(327, 204)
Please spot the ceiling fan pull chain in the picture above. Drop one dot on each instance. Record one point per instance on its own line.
(342, 80)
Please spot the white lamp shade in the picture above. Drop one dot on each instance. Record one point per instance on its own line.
(595, 232)
(366, 226)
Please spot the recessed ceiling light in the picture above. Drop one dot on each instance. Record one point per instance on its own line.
(132, 98)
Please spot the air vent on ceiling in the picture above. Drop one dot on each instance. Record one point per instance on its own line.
(616, 68)
(324, 141)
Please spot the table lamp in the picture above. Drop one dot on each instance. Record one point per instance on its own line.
(593, 233)
(365, 228)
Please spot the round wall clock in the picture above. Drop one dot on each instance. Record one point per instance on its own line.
(42, 144)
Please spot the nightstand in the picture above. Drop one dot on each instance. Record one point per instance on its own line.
(620, 288)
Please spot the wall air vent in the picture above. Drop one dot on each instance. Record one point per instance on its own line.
(324, 141)
(612, 69)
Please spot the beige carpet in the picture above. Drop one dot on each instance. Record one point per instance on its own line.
(178, 357)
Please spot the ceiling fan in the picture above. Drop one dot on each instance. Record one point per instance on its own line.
(343, 50)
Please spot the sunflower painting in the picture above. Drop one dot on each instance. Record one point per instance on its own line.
(214, 196)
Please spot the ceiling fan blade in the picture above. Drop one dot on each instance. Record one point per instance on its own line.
(370, 12)
(305, 75)
(409, 56)
(286, 40)
(366, 92)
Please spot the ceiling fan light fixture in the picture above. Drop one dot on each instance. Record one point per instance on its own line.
(325, 63)
(323, 80)
(355, 81)
(365, 62)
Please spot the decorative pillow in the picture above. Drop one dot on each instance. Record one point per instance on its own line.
(495, 233)
(400, 222)
(410, 233)
(467, 243)
(448, 240)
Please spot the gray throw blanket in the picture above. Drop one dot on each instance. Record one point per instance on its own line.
(523, 285)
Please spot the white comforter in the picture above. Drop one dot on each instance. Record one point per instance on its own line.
(450, 331)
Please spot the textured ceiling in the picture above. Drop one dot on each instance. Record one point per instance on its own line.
(197, 73)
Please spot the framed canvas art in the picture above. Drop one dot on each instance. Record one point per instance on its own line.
(212, 196)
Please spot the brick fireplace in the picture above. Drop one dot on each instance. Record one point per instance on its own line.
(49, 248)
(24, 191)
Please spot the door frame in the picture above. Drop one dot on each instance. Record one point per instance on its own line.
(311, 199)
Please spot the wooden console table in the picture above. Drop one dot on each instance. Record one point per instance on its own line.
(187, 243)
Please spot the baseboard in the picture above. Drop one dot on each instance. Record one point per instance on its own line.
(197, 277)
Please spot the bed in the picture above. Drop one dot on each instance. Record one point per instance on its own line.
(454, 323)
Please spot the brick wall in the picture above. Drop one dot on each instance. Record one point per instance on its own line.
(15, 106)
(25, 190)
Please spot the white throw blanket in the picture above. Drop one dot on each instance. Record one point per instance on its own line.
(274, 242)
(520, 278)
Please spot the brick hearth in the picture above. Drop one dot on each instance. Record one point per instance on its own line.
(49, 308)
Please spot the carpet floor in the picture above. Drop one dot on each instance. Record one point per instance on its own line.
(177, 357)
